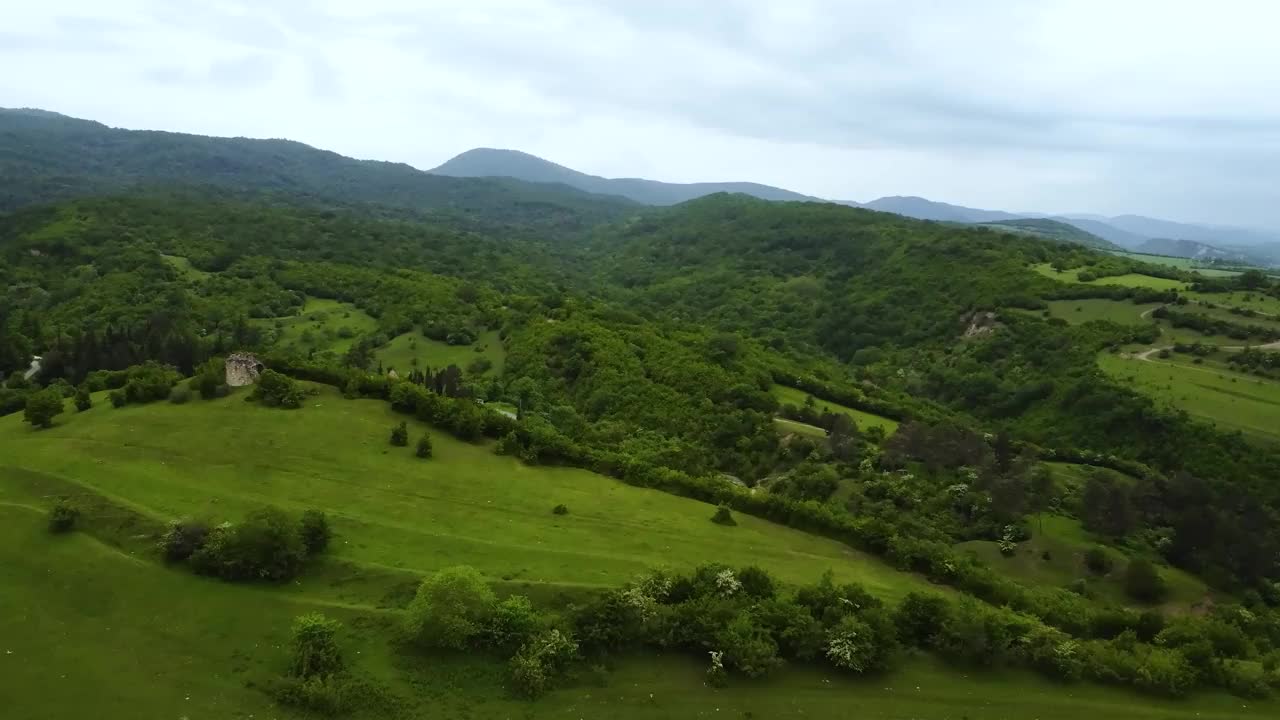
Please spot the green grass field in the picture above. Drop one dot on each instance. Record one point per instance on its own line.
(323, 326)
(1117, 311)
(1264, 304)
(864, 420)
(218, 459)
(786, 426)
(401, 352)
(1230, 400)
(1180, 263)
(185, 268)
(1225, 314)
(1066, 542)
(201, 656)
(1127, 280)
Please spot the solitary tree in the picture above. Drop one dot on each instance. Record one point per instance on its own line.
(42, 407)
(83, 400)
(400, 435)
(424, 446)
(1143, 582)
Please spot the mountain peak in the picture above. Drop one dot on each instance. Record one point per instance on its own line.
(491, 162)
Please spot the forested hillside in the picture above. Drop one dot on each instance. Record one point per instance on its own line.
(898, 387)
(47, 157)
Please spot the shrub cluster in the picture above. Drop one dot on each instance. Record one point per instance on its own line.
(319, 680)
(740, 620)
(267, 545)
(274, 389)
(455, 609)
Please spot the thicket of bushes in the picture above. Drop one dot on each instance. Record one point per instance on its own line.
(745, 624)
(268, 544)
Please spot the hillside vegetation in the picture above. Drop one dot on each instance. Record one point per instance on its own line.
(635, 462)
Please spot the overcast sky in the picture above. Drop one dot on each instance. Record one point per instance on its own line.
(1168, 108)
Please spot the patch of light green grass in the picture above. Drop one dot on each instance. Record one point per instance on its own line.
(1128, 280)
(791, 426)
(1054, 556)
(1086, 310)
(864, 420)
(1179, 262)
(185, 268)
(324, 326)
(1230, 400)
(403, 350)
(1255, 301)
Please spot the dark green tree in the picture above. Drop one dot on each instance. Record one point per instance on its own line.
(42, 407)
(424, 446)
(400, 434)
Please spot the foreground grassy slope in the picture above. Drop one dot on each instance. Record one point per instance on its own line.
(198, 647)
(218, 459)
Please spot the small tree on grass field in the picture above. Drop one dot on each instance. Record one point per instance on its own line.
(400, 435)
(42, 407)
(723, 516)
(63, 517)
(1143, 582)
(450, 608)
(315, 646)
(424, 446)
(314, 528)
(83, 400)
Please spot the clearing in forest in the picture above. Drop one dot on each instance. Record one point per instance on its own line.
(413, 350)
(322, 326)
(864, 420)
(1054, 556)
(1133, 280)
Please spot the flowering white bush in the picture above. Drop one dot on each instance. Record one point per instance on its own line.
(727, 583)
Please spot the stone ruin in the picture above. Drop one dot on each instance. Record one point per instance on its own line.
(243, 369)
(980, 324)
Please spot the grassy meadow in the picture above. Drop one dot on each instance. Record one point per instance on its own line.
(1126, 280)
(864, 420)
(1090, 309)
(1054, 556)
(1230, 400)
(396, 513)
(1179, 262)
(403, 350)
(185, 268)
(1257, 302)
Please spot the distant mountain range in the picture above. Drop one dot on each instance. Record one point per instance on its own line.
(1130, 232)
(46, 157)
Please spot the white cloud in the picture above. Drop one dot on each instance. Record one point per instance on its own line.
(1166, 108)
